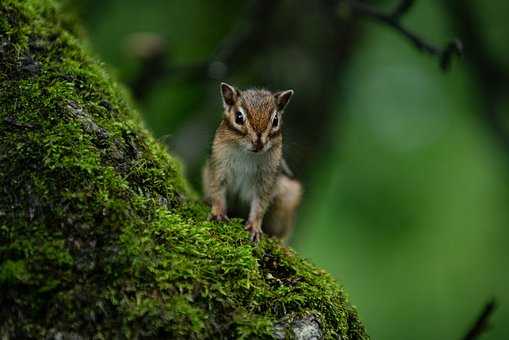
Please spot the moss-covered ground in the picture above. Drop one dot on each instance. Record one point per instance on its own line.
(100, 235)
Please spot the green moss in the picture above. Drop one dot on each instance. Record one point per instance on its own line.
(12, 272)
(100, 235)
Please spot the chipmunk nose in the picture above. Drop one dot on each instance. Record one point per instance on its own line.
(258, 143)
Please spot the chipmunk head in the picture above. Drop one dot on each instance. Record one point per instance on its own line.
(254, 116)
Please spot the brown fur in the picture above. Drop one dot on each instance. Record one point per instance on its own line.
(259, 104)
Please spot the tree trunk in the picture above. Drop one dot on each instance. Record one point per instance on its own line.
(100, 235)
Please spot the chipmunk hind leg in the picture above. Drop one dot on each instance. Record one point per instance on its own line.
(281, 215)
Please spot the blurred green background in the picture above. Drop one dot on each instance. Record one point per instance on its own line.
(406, 168)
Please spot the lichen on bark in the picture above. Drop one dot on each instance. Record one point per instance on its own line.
(100, 235)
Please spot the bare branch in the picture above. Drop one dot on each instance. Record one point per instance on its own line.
(488, 70)
(393, 20)
(482, 322)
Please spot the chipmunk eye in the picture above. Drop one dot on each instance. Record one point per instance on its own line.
(239, 118)
(275, 121)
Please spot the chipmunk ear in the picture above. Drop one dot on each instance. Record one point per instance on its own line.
(229, 94)
(282, 99)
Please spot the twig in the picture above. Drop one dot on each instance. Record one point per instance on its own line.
(13, 122)
(393, 20)
(482, 322)
(491, 77)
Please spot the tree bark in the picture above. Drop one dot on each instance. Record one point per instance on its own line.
(101, 236)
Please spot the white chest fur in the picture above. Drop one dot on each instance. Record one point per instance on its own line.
(243, 170)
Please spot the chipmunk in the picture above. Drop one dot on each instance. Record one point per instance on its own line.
(247, 162)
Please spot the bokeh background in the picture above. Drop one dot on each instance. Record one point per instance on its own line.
(405, 167)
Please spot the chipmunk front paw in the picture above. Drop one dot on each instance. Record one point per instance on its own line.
(254, 230)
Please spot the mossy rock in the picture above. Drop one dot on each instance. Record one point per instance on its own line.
(100, 235)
